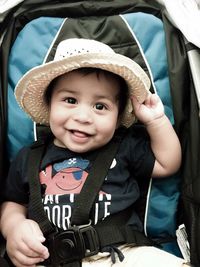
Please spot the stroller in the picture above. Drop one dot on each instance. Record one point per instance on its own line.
(138, 29)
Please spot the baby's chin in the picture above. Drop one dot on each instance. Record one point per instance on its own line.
(84, 149)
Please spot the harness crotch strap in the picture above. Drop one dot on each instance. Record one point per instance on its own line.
(81, 239)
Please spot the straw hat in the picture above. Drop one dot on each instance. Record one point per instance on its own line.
(72, 54)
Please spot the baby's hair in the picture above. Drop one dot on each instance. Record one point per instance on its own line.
(122, 97)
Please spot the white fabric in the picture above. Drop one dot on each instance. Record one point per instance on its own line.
(185, 15)
(137, 257)
(7, 4)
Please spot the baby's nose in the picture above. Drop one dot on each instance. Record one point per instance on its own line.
(83, 115)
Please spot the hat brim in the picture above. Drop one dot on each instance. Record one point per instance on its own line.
(31, 87)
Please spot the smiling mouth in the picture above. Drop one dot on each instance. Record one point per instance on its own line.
(69, 189)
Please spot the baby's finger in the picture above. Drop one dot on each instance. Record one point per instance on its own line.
(135, 103)
(154, 99)
(35, 248)
(21, 260)
(29, 252)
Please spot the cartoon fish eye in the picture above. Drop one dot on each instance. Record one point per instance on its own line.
(77, 174)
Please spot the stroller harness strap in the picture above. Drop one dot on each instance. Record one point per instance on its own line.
(81, 239)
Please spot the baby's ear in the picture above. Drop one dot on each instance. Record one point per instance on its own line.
(119, 121)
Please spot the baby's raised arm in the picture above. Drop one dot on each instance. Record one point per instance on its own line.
(164, 141)
(23, 236)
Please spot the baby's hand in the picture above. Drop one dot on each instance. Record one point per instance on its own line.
(150, 110)
(24, 244)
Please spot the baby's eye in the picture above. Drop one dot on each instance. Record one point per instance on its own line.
(100, 106)
(71, 100)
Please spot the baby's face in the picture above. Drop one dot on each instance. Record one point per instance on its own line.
(84, 111)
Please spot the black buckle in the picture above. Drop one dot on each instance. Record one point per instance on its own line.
(74, 244)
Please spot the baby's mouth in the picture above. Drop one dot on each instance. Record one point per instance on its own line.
(80, 134)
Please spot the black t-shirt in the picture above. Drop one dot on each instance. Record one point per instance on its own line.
(63, 173)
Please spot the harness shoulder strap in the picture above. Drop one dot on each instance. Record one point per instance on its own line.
(37, 212)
